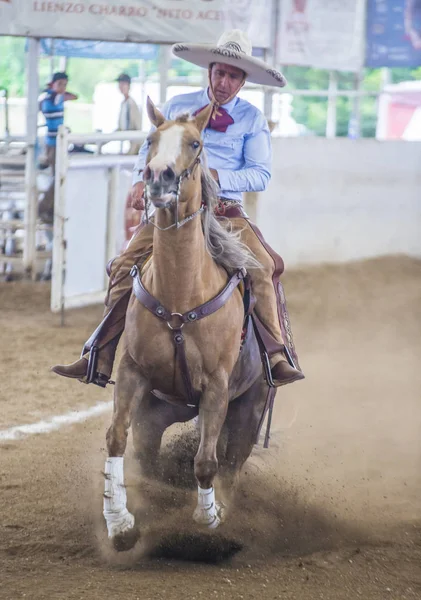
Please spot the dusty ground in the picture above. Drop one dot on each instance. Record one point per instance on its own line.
(331, 511)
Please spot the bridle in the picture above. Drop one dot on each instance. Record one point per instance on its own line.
(186, 174)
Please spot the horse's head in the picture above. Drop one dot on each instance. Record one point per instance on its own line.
(174, 150)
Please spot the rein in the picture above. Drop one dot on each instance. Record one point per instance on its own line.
(177, 224)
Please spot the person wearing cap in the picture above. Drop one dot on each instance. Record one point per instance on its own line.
(51, 103)
(238, 148)
(129, 118)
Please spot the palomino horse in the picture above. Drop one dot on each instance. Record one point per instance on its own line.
(183, 335)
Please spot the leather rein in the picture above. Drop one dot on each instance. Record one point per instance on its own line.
(176, 321)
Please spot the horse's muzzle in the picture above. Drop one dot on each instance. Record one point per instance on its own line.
(161, 186)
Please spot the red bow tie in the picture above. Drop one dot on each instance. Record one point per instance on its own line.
(220, 120)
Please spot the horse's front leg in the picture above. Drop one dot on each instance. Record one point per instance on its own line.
(130, 386)
(212, 413)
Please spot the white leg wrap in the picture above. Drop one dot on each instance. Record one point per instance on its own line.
(206, 512)
(115, 512)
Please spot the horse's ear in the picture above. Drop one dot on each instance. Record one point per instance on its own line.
(202, 118)
(155, 116)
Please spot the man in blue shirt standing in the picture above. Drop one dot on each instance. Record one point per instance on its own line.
(238, 148)
(51, 104)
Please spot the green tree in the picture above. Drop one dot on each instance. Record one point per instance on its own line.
(12, 65)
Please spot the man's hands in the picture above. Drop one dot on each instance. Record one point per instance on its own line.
(138, 202)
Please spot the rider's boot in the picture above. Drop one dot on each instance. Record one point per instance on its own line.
(96, 364)
(283, 372)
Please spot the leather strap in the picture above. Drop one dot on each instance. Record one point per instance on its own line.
(176, 321)
(268, 408)
(195, 314)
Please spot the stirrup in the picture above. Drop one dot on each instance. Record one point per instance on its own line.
(267, 370)
(92, 375)
(289, 357)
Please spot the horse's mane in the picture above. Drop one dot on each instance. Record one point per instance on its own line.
(223, 244)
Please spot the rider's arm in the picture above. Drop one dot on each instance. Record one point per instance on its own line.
(257, 152)
(70, 96)
(143, 152)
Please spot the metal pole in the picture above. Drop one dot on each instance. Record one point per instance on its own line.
(383, 105)
(268, 92)
(331, 105)
(270, 58)
(63, 63)
(52, 57)
(164, 65)
(32, 88)
(142, 79)
(205, 78)
(357, 103)
(6, 113)
(111, 240)
(59, 240)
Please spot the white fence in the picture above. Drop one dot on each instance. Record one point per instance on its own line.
(340, 200)
(328, 201)
(90, 198)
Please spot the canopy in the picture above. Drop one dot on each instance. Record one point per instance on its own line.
(95, 49)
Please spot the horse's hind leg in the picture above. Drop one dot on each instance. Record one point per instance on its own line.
(242, 423)
(130, 386)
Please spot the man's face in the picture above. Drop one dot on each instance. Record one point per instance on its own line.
(226, 81)
(60, 86)
(124, 87)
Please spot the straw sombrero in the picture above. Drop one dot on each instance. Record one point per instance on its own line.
(233, 48)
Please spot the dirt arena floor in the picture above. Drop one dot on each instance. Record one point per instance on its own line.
(331, 511)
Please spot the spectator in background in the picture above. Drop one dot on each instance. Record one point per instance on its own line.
(51, 104)
(130, 118)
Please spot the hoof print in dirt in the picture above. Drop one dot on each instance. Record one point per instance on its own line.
(196, 548)
(126, 541)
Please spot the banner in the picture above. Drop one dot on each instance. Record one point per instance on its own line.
(393, 33)
(325, 34)
(155, 21)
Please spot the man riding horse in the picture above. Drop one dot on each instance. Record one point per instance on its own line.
(238, 149)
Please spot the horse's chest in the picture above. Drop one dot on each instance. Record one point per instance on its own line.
(161, 359)
(164, 346)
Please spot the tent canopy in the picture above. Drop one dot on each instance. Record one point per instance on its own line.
(95, 49)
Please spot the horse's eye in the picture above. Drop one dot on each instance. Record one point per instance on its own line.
(148, 142)
(195, 145)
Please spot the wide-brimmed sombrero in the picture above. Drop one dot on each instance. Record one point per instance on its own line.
(233, 48)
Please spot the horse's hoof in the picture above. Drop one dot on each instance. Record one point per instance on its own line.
(121, 531)
(206, 520)
(126, 541)
(210, 518)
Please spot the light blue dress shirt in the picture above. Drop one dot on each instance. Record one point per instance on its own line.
(242, 155)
